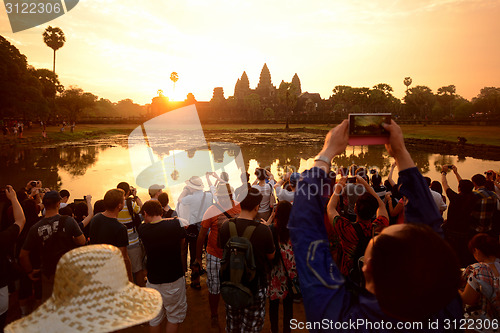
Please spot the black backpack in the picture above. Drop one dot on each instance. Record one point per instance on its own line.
(356, 273)
(136, 219)
(239, 282)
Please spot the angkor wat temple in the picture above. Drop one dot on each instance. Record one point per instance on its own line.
(264, 102)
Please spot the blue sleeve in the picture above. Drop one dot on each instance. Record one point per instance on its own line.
(321, 282)
(421, 207)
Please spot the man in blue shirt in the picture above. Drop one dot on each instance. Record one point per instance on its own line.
(412, 276)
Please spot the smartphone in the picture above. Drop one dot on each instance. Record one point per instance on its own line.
(76, 201)
(366, 128)
(351, 180)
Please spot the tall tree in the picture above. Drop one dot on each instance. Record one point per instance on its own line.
(174, 77)
(55, 39)
(407, 82)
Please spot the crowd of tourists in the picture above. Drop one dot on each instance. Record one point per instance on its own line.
(353, 247)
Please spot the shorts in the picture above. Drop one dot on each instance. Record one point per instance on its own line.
(174, 301)
(136, 255)
(249, 319)
(213, 279)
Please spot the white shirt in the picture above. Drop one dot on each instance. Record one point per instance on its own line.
(266, 191)
(283, 194)
(193, 204)
(438, 200)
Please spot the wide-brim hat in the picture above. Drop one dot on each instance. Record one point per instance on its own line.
(91, 294)
(195, 183)
(223, 190)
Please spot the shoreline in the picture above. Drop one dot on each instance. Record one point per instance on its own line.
(34, 139)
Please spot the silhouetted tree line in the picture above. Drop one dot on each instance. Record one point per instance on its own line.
(28, 93)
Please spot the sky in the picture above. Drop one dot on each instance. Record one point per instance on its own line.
(119, 49)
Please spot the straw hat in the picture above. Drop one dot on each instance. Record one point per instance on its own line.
(222, 190)
(195, 183)
(91, 294)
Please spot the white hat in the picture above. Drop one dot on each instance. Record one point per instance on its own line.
(91, 294)
(195, 183)
(224, 190)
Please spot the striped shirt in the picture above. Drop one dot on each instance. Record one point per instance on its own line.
(125, 219)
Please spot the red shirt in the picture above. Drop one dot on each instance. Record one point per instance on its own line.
(349, 238)
(213, 223)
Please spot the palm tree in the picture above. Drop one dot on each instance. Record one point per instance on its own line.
(407, 81)
(54, 38)
(174, 77)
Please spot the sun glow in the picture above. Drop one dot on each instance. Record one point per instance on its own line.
(130, 49)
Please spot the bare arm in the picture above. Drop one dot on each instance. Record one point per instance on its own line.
(19, 218)
(335, 144)
(396, 147)
(270, 219)
(391, 171)
(128, 265)
(209, 182)
(90, 211)
(331, 209)
(80, 240)
(381, 211)
(444, 181)
(199, 243)
(397, 210)
(455, 171)
(24, 260)
(469, 295)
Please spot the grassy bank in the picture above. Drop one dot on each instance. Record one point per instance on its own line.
(486, 135)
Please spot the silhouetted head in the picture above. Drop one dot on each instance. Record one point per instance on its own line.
(428, 180)
(366, 206)
(252, 199)
(260, 173)
(125, 187)
(436, 187)
(486, 244)
(376, 180)
(99, 206)
(478, 180)
(163, 199)
(113, 199)
(465, 186)
(412, 271)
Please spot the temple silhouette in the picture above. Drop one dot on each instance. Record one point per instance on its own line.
(263, 103)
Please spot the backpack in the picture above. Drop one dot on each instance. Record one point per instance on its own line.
(356, 275)
(238, 280)
(136, 219)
